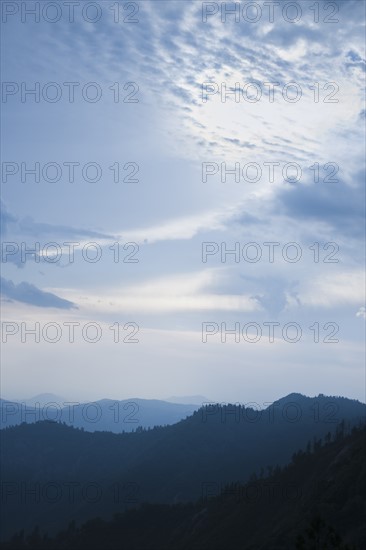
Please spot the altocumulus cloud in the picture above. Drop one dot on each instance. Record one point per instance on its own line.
(30, 294)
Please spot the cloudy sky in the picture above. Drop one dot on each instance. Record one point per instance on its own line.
(159, 136)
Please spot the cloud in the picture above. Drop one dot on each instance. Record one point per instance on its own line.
(276, 294)
(6, 218)
(170, 53)
(32, 228)
(30, 294)
(361, 313)
(24, 229)
(179, 228)
(355, 60)
(337, 204)
(188, 292)
(347, 287)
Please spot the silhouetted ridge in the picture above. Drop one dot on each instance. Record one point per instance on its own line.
(218, 444)
(316, 502)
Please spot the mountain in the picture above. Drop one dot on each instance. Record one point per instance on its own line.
(198, 400)
(104, 415)
(42, 399)
(316, 502)
(53, 473)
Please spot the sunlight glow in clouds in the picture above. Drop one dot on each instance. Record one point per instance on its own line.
(169, 133)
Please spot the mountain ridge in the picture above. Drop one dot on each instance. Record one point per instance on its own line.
(318, 497)
(216, 444)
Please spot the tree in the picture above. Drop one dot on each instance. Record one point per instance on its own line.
(320, 536)
(34, 539)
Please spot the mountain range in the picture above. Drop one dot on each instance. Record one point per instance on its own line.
(316, 502)
(53, 473)
(104, 415)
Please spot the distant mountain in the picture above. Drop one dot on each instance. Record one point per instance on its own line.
(316, 502)
(104, 415)
(198, 400)
(214, 446)
(43, 399)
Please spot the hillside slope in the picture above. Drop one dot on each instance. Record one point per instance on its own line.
(316, 502)
(52, 473)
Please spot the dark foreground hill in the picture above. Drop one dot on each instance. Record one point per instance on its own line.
(52, 473)
(315, 503)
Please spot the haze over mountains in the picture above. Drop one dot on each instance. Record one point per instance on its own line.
(188, 399)
(182, 216)
(49, 468)
(106, 414)
(42, 399)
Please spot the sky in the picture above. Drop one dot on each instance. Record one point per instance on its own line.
(181, 171)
